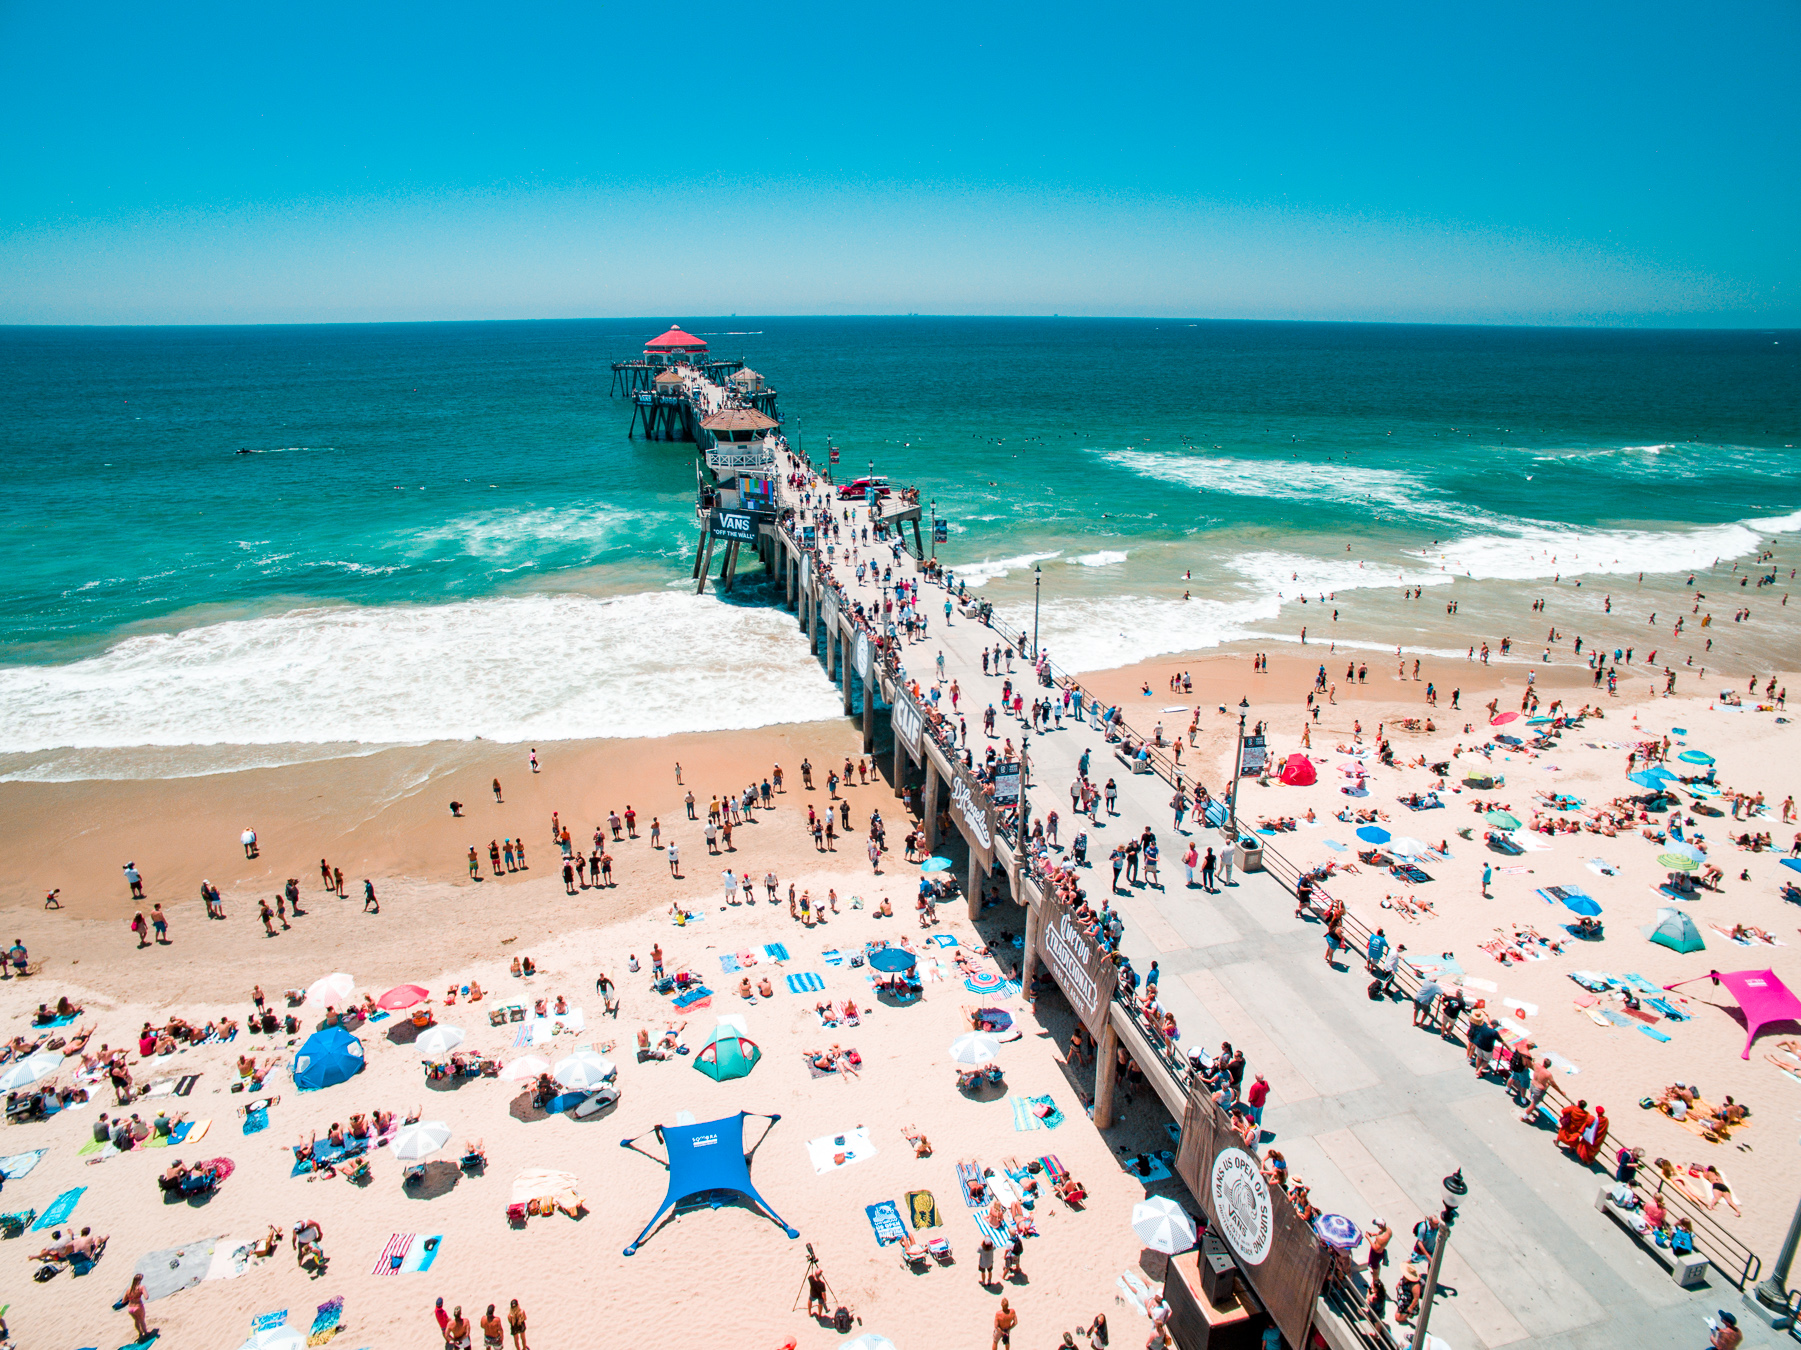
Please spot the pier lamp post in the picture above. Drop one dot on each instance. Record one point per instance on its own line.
(1772, 1292)
(1455, 1193)
(934, 529)
(1244, 706)
(1037, 585)
(1025, 741)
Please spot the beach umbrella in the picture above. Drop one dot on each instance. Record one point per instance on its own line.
(528, 1067)
(935, 865)
(30, 1069)
(1358, 791)
(1502, 719)
(1161, 1225)
(332, 990)
(868, 1341)
(421, 1140)
(1675, 930)
(1795, 863)
(1374, 834)
(1337, 1231)
(974, 1049)
(891, 960)
(1678, 862)
(1695, 757)
(1578, 902)
(276, 1338)
(438, 1041)
(328, 1057)
(1297, 771)
(1676, 846)
(1405, 847)
(983, 981)
(583, 1071)
(1503, 820)
(402, 996)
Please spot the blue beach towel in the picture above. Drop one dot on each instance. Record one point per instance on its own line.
(19, 1164)
(729, 963)
(325, 1319)
(832, 958)
(1653, 1032)
(693, 996)
(775, 951)
(60, 1209)
(269, 1321)
(181, 1131)
(255, 1122)
(885, 1219)
(998, 1236)
(421, 1254)
(1333, 844)
(806, 982)
(943, 939)
(1024, 1119)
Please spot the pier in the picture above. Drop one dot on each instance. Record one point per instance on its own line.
(1371, 1113)
(676, 385)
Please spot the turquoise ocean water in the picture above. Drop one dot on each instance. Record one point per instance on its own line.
(445, 532)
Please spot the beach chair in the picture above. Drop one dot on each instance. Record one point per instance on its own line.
(913, 1254)
(358, 1173)
(12, 1225)
(940, 1248)
(476, 1160)
(516, 1215)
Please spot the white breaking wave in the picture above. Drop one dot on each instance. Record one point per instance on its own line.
(1292, 575)
(505, 532)
(540, 667)
(1297, 480)
(1101, 634)
(981, 573)
(1543, 550)
(1105, 558)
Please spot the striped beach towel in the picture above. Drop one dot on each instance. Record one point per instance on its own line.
(833, 957)
(1000, 1237)
(775, 951)
(1025, 1118)
(394, 1254)
(806, 982)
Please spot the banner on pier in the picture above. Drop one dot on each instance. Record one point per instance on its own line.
(978, 827)
(740, 526)
(831, 610)
(1277, 1251)
(864, 655)
(1006, 783)
(1080, 965)
(908, 724)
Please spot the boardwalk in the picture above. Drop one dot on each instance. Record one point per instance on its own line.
(1371, 1112)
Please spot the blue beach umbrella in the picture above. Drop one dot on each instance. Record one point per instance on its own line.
(1792, 862)
(1578, 903)
(1373, 834)
(935, 865)
(329, 1056)
(891, 960)
(1695, 757)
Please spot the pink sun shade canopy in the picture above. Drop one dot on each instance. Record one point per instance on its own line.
(1761, 997)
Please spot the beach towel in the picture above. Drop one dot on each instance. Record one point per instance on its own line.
(923, 1210)
(698, 995)
(419, 1259)
(1026, 1118)
(1156, 1166)
(231, 1258)
(1001, 1237)
(943, 940)
(832, 958)
(728, 963)
(1653, 1033)
(1053, 1168)
(392, 1255)
(814, 1069)
(325, 1321)
(269, 1321)
(60, 1209)
(746, 959)
(885, 1219)
(255, 1122)
(20, 1164)
(1334, 845)
(1561, 1064)
(806, 982)
(553, 1024)
(169, 1270)
(93, 1146)
(775, 951)
(1135, 1290)
(853, 1146)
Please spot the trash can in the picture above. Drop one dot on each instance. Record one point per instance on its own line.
(1249, 856)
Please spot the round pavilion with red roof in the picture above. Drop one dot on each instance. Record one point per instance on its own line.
(675, 348)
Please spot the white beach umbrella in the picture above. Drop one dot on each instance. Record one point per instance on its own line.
(334, 990)
(1162, 1225)
(868, 1341)
(30, 1069)
(583, 1071)
(438, 1041)
(1405, 847)
(974, 1049)
(276, 1338)
(420, 1141)
(528, 1067)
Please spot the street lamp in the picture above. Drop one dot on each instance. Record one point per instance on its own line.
(934, 529)
(1037, 583)
(1772, 1292)
(1455, 1193)
(1244, 706)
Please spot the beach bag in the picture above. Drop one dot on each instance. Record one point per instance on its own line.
(841, 1320)
(1375, 989)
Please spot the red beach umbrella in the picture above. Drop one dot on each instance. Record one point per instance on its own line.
(1503, 719)
(402, 996)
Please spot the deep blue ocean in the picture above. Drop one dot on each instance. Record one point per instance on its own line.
(444, 530)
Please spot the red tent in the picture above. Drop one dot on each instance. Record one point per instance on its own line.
(1761, 996)
(675, 340)
(1298, 771)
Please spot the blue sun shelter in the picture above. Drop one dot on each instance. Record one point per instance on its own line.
(728, 1053)
(329, 1056)
(707, 1163)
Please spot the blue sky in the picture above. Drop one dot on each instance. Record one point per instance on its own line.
(1534, 163)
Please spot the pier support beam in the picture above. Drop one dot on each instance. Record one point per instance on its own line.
(900, 758)
(729, 572)
(929, 803)
(844, 669)
(1028, 964)
(706, 564)
(974, 893)
(1106, 1072)
(869, 711)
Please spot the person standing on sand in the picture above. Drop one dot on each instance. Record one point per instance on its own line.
(337, 878)
(160, 922)
(133, 1300)
(370, 904)
(516, 1324)
(325, 873)
(497, 796)
(135, 880)
(1004, 1322)
(493, 1332)
(534, 759)
(140, 929)
(678, 773)
(267, 915)
(675, 862)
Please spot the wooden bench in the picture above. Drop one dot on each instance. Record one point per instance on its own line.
(1687, 1269)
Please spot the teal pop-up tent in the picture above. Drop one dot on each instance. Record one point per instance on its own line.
(1675, 930)
(727, 1054)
